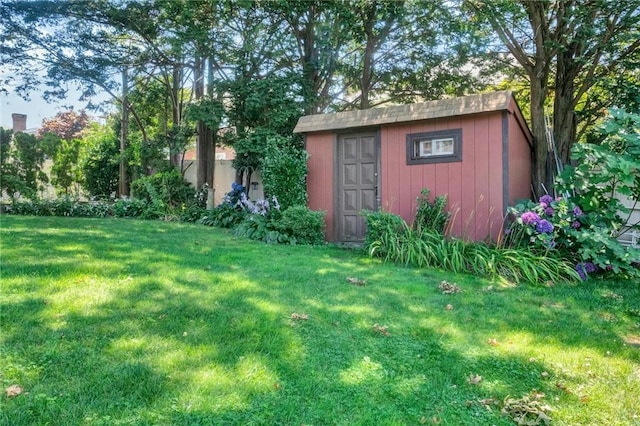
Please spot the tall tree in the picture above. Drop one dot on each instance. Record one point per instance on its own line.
(564, 47)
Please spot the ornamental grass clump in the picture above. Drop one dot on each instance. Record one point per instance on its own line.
(392, 239)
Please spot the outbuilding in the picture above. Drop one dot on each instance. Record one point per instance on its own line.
(475, 149)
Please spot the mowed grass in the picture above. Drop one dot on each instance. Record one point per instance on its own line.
(108, 322)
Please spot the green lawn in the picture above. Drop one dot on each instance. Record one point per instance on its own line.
(108, 322)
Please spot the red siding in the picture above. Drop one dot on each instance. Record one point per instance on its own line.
(473, 186)
(519, 157)
(320, 178)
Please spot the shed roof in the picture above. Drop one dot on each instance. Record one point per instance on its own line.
(472, 104)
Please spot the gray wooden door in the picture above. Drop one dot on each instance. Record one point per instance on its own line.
(357, 183)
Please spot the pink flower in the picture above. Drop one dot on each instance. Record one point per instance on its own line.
(530, 218)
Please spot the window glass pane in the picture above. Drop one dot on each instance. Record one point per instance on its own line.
(443, 146)
(425, 148)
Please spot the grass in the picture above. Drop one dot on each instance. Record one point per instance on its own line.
(108, 322)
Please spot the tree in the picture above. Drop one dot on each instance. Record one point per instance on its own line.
(564, 48)
(100, 164)
(66, 125)
(22, 165)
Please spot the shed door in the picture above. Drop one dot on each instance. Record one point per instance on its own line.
(357, 183)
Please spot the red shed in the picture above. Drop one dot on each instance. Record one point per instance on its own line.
(474, 149)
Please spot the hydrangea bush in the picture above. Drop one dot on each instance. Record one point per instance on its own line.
(559, 227)
(584, 226)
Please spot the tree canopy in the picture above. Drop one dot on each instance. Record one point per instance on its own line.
(180, 68)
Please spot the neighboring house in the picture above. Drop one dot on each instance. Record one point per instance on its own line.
(476, 150)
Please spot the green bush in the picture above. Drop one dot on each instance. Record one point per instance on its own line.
(64, 206)
(100, 166)
(129, 208)
(260, 228)
(301, 225)
(223, 216)
(379, 225)
(164, 191)
(583, 225)
(431, 215)
(284, 172)
(601, 172)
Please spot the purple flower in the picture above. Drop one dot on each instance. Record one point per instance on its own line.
(544, 227)
(530, 218)
(575, 224)
(580, 270)
(549, 211)
(546, 199)
(577, 211)
(585, 268)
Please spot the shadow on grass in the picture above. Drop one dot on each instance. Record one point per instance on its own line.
(204, 335)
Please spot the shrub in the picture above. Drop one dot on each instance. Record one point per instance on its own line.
(284, 172)
(64, 206)
(559, 228)
(129, 208)
(191, 213)
(583, 225)
(379, 225)
(164, 191)
(301, 225)
(223, 216)
(260, 228)
(99, 209)
(431, 216)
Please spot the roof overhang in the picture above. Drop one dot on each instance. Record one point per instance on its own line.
(473, 104)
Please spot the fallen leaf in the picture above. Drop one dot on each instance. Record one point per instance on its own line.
(527, 412)
(563, 387)
(544, 374)
(449, 307)
(14, 390)
(536, 394)
(449, 288)
(382, 329)
(356, 281)
(474, 379)
(632, 340)
(488, 401)
(493, 342)
(296, 316)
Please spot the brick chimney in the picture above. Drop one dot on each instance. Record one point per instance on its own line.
(19, 122)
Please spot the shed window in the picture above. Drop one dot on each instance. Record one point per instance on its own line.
(443, 146)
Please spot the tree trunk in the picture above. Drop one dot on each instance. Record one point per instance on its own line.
(174, 156)
(202, 148)
(367, 66)
(123, 181)
(538, 72)
(211, 136)
(564, 117)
